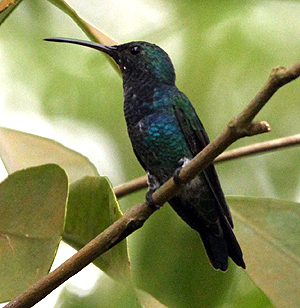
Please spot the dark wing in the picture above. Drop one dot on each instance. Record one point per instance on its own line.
(197, 140)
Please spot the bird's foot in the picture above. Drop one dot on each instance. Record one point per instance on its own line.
(153, 184)
(184, 161)
(149, 200)
(176, 177)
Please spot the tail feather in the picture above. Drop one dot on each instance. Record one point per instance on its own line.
(234, 249)
(218, 247)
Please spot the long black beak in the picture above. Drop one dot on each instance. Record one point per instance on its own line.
(110, 50)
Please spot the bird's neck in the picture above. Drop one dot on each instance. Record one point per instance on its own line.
(141, 88)
(144, 98)
(138, 100)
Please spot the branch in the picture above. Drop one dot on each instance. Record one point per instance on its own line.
(253, 149)
(134, 218)
(131, 186)
(257, 148)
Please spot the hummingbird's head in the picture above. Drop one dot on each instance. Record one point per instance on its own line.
(137, 60)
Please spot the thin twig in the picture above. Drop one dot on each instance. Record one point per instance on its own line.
(253, 149)
(133, 219)
(257, 148)
(131, 186)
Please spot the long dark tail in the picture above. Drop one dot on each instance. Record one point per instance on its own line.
(218, 247)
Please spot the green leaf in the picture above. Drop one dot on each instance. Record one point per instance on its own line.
(92, 207)
(147, 300)
(268, 231)
(20, 150)
(32, 211)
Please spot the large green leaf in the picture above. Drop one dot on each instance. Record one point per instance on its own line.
(268, 231)
(20, 150)
(92, 207)
(32, 212)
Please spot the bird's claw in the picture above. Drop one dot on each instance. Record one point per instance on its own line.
(183, 161)
(176, 177)
(150, 202)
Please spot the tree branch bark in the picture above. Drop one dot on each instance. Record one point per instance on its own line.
(134, 218)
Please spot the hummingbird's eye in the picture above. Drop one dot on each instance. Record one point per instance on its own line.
(135, 50)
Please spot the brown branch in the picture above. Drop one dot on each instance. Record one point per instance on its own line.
(131, 186)
(134, 218)
(258, 148)
(253, 149)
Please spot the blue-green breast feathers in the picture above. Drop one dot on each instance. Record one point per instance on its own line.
(156, 134)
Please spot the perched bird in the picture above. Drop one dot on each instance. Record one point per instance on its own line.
(166, 134)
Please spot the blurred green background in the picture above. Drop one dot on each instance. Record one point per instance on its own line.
(223, 52)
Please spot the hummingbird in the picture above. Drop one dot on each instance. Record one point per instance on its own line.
(166, 134)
